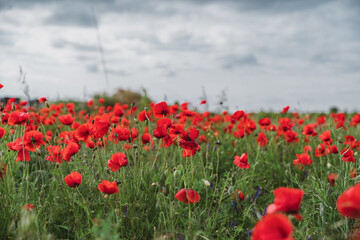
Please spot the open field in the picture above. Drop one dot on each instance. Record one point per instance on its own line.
(175, 173)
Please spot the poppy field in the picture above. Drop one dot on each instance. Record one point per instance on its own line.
(169, 171)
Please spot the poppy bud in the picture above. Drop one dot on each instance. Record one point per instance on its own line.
(47, 104)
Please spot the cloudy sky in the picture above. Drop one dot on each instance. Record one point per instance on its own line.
(261, 55)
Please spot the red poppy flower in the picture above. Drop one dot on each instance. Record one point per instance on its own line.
(143, 115)
(121, 133)
(43, 99)
(326, 137)
(1, 86)
(238, 196)
(308, 130)
(55, 154)
(108, 187)
(262, 139)
(28, 207)
(161, 110)
(348, 203)
(290, 137)
(307, 149)
(71, 149)
(332, 177)
(237, 115)
(90, 103)
(66, 119)
(347, 155)
(3, 169)
(146, 138)
(33, 140)
(118, 110)
(167, 122)
(320, 150)
(273, 226)
(203, 102)
(117, 161)
(187, 196)
(303, 159)
(332, 149)
(18, 145)
(100, 127)
(160, 132)
(73, 179)
(2, 132)
(242, 161)
(264, 122)
(134, 133)
(350, 140)
(83, 132)
(17, 118)
(285, 109)
(287, 200)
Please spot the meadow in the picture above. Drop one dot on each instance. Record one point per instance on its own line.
(98, 171)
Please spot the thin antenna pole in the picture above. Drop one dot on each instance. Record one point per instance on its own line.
(101, 50)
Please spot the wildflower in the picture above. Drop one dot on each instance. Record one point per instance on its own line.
(117, 161)
(290, 137)
(287, 200)
(71, 149)
(308, 130)
(33, 140)
(262, 139)
(108, 187)
(161, 110)
(187, 196)
(242, 161)
(73, 179)
(238, 196)
(347, 155)
(66, 119)
(264, 122)
(83, 132)
(285, 109)
(332, 177)
(2, 132)
(320, 150)
(348, 203)
(43, 99)
(237, 115)
(326, 137)
(18, 145)
(28, 207)
(55, 154)
(273, 226)
(303, 159)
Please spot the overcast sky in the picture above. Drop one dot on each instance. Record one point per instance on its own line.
(262, 54)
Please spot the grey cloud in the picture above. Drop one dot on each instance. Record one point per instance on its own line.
(237, 61)
(72, 16)
(75, 46)
(6, 38)
(181, 41)
(167, 71)
(93, 68)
